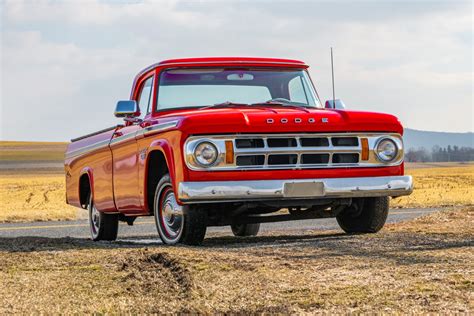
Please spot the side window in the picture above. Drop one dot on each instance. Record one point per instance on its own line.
(297, 91)
(145, 99)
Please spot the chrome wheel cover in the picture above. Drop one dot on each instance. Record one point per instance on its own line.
(171, 219)
(94, 220)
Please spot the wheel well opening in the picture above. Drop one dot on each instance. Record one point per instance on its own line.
(157, 168)
(84, 190)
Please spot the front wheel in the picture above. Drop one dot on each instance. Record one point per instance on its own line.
(176, 223)
(367, 215)
(102, 226)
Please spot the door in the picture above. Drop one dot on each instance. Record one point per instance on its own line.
(125, 157)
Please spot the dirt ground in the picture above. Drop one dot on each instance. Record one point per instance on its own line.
(422, 266)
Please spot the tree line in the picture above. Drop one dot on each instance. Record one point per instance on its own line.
(440, 154)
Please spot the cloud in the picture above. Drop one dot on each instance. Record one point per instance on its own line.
(67, 63)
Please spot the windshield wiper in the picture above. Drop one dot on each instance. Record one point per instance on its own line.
(279, 103)
(224, 104)
(266, 104)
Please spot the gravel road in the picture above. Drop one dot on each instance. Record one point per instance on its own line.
(145, 227)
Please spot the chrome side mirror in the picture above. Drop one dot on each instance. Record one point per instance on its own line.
(128, 108)
(335, 104)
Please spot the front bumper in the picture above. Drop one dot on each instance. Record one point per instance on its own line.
(235, 191)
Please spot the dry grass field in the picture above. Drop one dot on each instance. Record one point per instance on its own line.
(38, 198)
(36, 192)
(32, 151)
(439, 186)
(422, 266)
(32, 182)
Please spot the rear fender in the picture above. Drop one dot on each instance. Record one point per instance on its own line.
(89, 172)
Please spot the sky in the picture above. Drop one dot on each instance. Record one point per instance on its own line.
(65, 64)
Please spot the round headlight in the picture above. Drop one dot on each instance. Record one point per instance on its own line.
(205, 154)
(386, 150)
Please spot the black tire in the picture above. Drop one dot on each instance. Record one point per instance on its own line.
(245, 230)
(175, 224)
(367, 215)
(102, 226)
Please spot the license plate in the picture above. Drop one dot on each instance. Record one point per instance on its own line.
(303, 189)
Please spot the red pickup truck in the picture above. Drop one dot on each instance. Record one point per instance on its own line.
(235, 141)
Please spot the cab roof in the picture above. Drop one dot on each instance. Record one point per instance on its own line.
(239, 60)
(221, 61)
(216, 61)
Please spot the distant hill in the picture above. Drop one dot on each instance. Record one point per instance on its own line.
(414, 139)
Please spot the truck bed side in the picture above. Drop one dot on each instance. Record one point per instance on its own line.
(88, 167)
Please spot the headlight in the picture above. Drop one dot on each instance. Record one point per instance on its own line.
(205, 154)
(386, 150)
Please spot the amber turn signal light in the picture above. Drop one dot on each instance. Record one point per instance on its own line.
(229, 152)
(365, 149)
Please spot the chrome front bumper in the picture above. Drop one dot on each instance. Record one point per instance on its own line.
(234, 191)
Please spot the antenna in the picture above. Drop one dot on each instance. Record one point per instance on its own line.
(333, 89)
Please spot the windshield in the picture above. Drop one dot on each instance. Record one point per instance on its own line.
(183, 88)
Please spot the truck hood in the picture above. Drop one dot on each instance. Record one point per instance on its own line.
(280, 120)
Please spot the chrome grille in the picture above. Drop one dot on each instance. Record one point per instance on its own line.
(276, 151)
(292, 151)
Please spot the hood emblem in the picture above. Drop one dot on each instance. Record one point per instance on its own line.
(298, 120)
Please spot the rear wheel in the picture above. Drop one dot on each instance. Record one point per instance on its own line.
(244, 230)
(102, 226)
(176, 223)
(367, 215)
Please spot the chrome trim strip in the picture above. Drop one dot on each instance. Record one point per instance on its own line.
(87, 149)
(95, 133)
(123, 138)
(150, 130)
(235, 191)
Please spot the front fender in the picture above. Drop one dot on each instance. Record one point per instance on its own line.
(171, 150)
(167, 150)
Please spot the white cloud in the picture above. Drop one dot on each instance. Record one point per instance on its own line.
(68, 62)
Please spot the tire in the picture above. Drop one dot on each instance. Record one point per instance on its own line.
(245, 230)
(102, 226)
(367, 215)
(176, 223)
